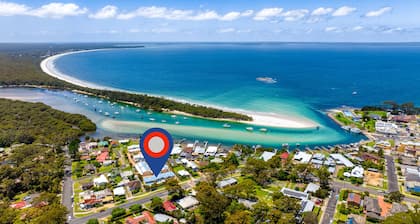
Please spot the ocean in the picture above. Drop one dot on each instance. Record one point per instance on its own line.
(300, 80)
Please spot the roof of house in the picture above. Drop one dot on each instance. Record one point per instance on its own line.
(303, 157)
(18, 205)
(169, 206)
(134, 184)
(312, 188)
(119, 191)
(153, 179)
(372, 205)
(188, 202)
(293, 193)
(397, 207)
(284, 155)
(341, 159)
(227, 182)
(267, 155)
(102, 157)
(145, 217)
(100, 180)
(355, 198)
(307, 205)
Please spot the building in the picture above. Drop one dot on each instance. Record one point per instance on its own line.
(119, 191)
(302, 157)
(134, 185)
(354, 199)
(100, 181)
(386, 127)
(372, 208)
(312, 188)
(294, 194)
(227, 182)
(341, 160)
(412, 179)
(211, 150)
(102, 157)
(145, 217)
(267, 155)
(357, 172)
(169, 206)
(188, 202)
(162, 218)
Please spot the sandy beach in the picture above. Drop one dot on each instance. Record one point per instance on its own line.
(259, 118)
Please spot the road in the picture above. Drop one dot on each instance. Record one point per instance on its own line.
(67, 200)
(392, 177)
(125, 205)
(332, 203)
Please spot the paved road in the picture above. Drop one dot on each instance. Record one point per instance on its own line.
(332, 203)
(126, 205)
(67, 200)
(392, 176)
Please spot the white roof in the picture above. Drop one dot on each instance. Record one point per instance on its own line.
(357, 171)
(127, 173)
(199, 150)
(307, 205)
(312, 188)
(190, 145)
(163, 218)
(183, 173)
(267, 156)
(133, 148)
(188, 202)
(303, 157)
(100, 180)
(227, 182)
(341, 159)
(119, 191)
(176, 149)
(123, 141)
(211, 149)
(216, 160)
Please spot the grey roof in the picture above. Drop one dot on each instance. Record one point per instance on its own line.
(372, 205)
(227, 182)
(312, 188)
(294, 194)
(397, 207)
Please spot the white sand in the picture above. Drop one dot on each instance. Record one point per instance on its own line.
(259, 118)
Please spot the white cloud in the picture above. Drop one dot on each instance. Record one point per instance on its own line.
(235, 15)
(247, 13)
(58, 10)
(267, 13)
(106, 12)
(294, 15)
(226, 30)
(52, 10)
(321, 11)
(11, 9)
(343, 11)
(378, 12)
(332, 29)
(357, 28)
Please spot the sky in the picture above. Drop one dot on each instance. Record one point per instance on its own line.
(211, 20)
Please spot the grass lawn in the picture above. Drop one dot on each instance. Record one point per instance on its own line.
(105, 169)
(340, 217)
(343, 119)
(20, 197)
(178, 168)
(262, 194)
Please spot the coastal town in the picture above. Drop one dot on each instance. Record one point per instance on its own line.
(107, 180)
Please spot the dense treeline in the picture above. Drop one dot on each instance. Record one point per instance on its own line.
(395, 108)
(19, 65)
(22, 122)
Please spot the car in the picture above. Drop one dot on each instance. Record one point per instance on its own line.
(27, 198)
(69, 217)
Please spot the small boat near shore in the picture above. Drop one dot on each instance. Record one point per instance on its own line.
(106, 114)
(249, 128)
(138, 110)
(152, 119)
(263, 129)
(226, 125)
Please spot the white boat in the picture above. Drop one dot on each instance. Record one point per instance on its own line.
(163, 121)
(354, 93)
(249, 128)
(355, 130)
(177, 122)
(100, 101)
(106, 114)
(263, 129)
(138, 110)
(226, 126)
(149, 113)
(100, 111)
(116, 112)
(152, 119)
(185, 118)
(173, 116)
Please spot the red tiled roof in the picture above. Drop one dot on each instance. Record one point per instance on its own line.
(353, 197)
(145, 217)
(102, 157)
(18, 205)
(169, 206)
(284, 155)
(385, 207)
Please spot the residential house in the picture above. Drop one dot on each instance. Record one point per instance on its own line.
(134, 185)
(294, 194)
(267, 155)
(169, 206)
(145, 217)
(87, 185)
(103, 156)
(372, 208)
(371, 157)
(211, 150)
(412, 179)
(302, 157)
(341, 160)
(188, 202)
(354, 199)
(312, 188)
(90, 169)
(100, 181)
(227, 182)
(162, 218)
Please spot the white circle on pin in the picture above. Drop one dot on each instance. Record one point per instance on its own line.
(156, 144)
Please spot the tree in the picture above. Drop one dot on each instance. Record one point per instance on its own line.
(7, 214)
(212, 203)
(92, 221)
(395, 196)
(259, 170)
(245, 189)
(310, 218)
(239, 217)
(231, 160)
(52, 214)
(174, 189)
(156, 205)
(403, 218)
(136, 208)
(118, 213)
(323, 174)
(261, 212)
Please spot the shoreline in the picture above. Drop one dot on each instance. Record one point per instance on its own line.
(259, 118)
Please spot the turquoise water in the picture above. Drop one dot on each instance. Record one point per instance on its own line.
(129, 121)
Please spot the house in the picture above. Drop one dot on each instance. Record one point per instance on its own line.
(133, 148)
(357, 172)
(302, 157)
(87, 185)
(385, 206)
(103, 144)
(354, 199)
(412, 179)
(312, 188)
(227, 182)
(126, 174)
(103, 156)
(20, 205)
(397, 208)
(211, 150)
(183, 173)
(371, 157)
(124, 141)
(119, 191)
(162, 218)
(134, 185)
(307, 206)
(294, 194)
(386, 127)
(341, 160)
(169, 206)
(145, 217)
(372, 208)
(404, 118)
(176, 150)
(188, 202)
(100, 181)
(90, 169)
(267, 155)
(217, 160)
(149, 180)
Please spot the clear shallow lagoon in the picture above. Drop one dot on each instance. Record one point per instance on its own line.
(128, 120)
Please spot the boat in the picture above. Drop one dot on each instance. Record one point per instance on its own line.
(317, 128)
(177, 122)
(347, 128)
(185, 118)
(226, 125)
(152, 119)
(249, 128)
(149, 113)
(100, 102)
(263, 130)
(138, 110)
(100, 111)
(106, 114)
(163, 121)
(116, 112)
(173, 116)
(355, 130)
(354, 93)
